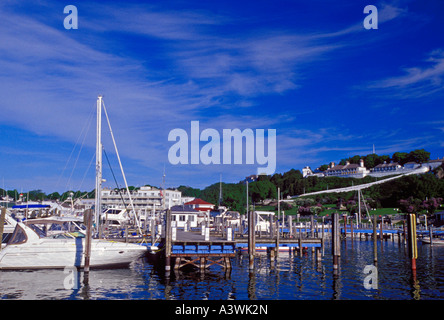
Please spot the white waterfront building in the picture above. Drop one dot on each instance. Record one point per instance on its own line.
(144, 198)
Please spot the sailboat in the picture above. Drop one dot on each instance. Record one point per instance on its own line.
(31, 246)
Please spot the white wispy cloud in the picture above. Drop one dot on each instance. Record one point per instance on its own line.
(417, 81)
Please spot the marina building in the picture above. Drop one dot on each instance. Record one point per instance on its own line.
(200, 205)
(185, 215)
(143, 198)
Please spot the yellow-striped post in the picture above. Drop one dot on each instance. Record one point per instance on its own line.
(412, 241)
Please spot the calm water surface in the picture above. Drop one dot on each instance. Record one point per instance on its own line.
(290, 277)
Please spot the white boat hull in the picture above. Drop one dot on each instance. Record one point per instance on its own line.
(61, 253)
(435, 241)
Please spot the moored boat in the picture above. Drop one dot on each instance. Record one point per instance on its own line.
(30, 247)
(438, 241)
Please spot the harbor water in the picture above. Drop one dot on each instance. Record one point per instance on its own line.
(289, 277)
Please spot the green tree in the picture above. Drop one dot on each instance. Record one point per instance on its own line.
(36, 195)
(400, 157)
(371, 160)
(261, 190)
(54, 196)
(419, 156)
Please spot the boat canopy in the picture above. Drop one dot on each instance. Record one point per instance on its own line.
(31, 206)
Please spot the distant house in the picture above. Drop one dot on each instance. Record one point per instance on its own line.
(200, 205)
(183, 215)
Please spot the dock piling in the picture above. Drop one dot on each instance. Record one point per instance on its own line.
(431, 235)
(412, 241)
(2, 223)
(89, 216)
(335, 240)
(168, 243)
(375, 243)
(251, 240)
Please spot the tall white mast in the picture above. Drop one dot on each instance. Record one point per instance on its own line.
(98, 202)
(123, 173)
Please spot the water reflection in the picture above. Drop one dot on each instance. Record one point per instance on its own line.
(287, 277)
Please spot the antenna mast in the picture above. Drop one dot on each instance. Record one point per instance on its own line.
(98, 202)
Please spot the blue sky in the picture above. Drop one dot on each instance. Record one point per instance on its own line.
(308, 69)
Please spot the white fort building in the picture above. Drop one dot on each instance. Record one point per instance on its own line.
(360, 171)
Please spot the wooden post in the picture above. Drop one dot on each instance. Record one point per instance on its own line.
(300, 243)
(272, 254)
(88, 239)
(207, 233)
(251, 240)
(168, 243)
(173, 233)
(322, 236)
(381, 235)
(279, 211)
(318, 254)
(358, 215)
(202, 263)
(277, 240)
(229, 234)
(375, 237)
(312, 226)
(412, 241)
(351, 229)
(404, 237)
(290, 225)
(227, 263)
(431, 235)
(278, 223)
(153, 232)
(2, 224)
(335, 240)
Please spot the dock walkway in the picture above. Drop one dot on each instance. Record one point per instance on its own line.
(191, 248)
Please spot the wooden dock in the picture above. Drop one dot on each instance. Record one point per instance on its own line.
(191, 248)
(200, 249)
